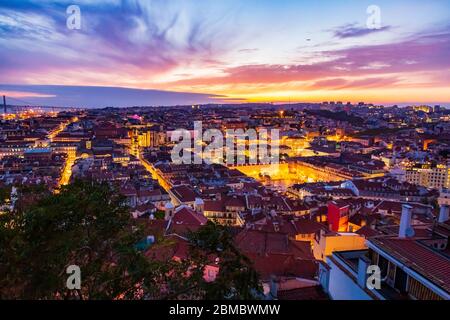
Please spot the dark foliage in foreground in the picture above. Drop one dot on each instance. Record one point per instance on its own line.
(87, 224)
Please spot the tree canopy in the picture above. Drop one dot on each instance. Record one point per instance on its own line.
(87, 224)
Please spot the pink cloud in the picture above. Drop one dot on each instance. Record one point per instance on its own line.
(426, 53)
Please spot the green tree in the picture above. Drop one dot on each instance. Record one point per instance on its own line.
(159, 215)
(86, 224)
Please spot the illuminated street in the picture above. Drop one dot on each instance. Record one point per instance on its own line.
(67, 173)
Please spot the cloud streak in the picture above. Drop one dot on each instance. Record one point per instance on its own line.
(353, 31)
(424, 53)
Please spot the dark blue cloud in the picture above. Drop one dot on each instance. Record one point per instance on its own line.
(353, 31)
(152, 35)
(100, 97)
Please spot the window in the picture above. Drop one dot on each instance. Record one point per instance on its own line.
(401, 280)
(383, 263)
(373, 257)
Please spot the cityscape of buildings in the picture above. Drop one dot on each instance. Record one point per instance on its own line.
(241, 153)
(357, 185)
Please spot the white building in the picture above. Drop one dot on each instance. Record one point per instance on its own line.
(409, 267)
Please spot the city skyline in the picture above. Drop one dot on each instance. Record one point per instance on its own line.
(210, 52)
(236, 154)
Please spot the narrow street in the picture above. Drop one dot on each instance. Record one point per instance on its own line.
(71, 155)
(148, 166)
(67, 173)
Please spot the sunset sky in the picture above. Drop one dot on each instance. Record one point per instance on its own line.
(225, 50)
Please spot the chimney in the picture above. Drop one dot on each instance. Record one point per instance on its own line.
(405, 229)
(169, 211)
(443, 214)
(199, 206)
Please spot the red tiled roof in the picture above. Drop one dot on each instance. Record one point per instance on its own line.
(181, 250)
(178, 249)
(184, 193)
(283, 265)
(254, 218)
(150, 193)
(367, 232)
(263, 242)
(187, 216)
(341, 203)
(235, 202)
(214, 205)
(422, 259)
(254, 201)
(277, 226)
(306, 226)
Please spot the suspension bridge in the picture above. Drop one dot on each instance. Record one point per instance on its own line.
(15, 105)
